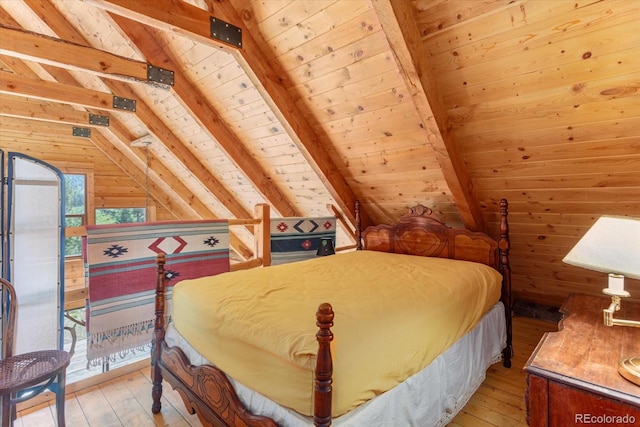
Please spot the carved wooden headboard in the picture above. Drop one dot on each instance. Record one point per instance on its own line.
(421, 232)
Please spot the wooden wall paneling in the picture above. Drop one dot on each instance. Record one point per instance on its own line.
(112, 187)
(545, 114)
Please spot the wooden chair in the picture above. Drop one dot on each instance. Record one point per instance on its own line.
(37, 369)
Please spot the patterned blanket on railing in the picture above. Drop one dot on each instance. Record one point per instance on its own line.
(297, 239)
(120, 261)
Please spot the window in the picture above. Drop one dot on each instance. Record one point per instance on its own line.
(75, 210)
(120, 215)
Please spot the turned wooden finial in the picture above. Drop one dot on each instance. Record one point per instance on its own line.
(504, 225)
(420, 210)
(358, 226)
(324, 367)
(158, 335)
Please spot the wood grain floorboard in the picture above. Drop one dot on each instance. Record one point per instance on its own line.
(126, 400)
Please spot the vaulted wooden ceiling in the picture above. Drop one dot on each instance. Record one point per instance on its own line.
(450, 103)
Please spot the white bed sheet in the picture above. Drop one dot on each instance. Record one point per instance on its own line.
(432, 397)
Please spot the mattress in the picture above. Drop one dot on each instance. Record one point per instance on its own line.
(432, 397)
(258, 325)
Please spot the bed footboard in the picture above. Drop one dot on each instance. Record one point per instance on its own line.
(206, 390)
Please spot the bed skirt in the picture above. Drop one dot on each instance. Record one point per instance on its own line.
(432, 397)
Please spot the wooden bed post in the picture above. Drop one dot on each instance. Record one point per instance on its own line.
(158, 333)
(358, 226)
(503, 245)
(324, 367)
(262, 234)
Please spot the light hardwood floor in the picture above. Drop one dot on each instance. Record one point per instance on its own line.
(126, 400)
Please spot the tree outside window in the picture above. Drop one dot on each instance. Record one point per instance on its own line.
(75, 210)
(120, 215)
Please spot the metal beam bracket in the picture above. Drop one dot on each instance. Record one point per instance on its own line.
(82, 132)
(124, 103)
(225, 32)
(95, 119)
(159, 76)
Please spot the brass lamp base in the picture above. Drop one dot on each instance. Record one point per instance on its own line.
(629, 368)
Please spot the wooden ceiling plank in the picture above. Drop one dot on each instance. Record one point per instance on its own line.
(193, 22)
(205, 113)
(61, 53)
(164, 135)
(15, 84)
(396, 18)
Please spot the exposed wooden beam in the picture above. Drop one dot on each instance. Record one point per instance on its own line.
(16, 106)
(117, 156)
(205, 113)
(177, 16)
(71, 56)
(396, 19)
(153, 123)
(190, 21)
(49, 14)
(160, 177)
(15, 84)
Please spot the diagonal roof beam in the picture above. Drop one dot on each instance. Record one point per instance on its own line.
(17, 106)
(31, 46)
(194, 23)
(15, 84)
(205, 113)
(396, 18)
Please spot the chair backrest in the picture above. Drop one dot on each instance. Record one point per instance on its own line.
(8, 306)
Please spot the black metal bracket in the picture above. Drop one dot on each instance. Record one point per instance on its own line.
(226, 32)
(159, 76)
(82, 132)
(124, 103)
(95, 119)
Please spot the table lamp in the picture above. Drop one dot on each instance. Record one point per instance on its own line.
(612, 246)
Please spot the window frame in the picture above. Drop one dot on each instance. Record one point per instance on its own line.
(89, 214)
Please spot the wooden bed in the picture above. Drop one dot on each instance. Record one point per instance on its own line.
(207, 391)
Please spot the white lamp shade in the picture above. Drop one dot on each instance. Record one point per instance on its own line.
(612, 245)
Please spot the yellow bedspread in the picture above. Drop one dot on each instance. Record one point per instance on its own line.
(393, 315)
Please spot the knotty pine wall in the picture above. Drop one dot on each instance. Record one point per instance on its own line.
(54, 144)
(544, 99)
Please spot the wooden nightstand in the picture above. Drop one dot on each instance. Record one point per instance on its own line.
(572, 376)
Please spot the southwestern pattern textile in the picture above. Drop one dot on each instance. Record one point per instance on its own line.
(121, 276)
(297, 239)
